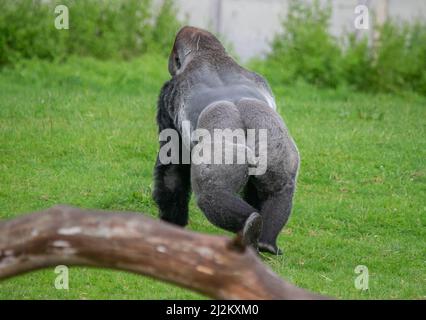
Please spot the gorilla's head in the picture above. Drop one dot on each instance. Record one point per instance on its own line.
(191, 42)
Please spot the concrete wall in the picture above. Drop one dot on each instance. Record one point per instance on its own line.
(249, 25)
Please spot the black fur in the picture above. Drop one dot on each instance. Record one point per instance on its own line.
(171, 200)
(251, 195)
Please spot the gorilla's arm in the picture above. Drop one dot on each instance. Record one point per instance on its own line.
(172, 186)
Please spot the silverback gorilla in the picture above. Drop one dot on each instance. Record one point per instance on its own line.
(211, 91)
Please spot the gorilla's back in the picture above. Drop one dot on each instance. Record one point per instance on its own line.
(220, 89)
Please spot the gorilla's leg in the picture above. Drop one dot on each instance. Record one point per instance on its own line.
(217, 196)
(216, 186)
(225, 209)
(275, 208)
(252, 230)
(275, 213)
(172, 191)
(272, 191)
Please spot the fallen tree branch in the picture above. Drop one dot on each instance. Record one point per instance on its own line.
(213, 265)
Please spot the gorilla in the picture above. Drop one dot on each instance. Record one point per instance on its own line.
(211, 91)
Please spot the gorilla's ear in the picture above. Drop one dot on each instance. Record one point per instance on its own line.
(174, 62)
(179, 57)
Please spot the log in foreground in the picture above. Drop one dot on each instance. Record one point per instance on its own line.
(212, 265)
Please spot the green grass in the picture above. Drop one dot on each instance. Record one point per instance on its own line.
(84, 133)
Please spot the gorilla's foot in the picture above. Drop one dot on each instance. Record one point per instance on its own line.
(252, 230)
(266, 247)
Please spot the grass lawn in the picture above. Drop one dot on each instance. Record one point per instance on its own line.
(83, 133)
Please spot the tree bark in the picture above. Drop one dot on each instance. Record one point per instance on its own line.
(212, 265)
